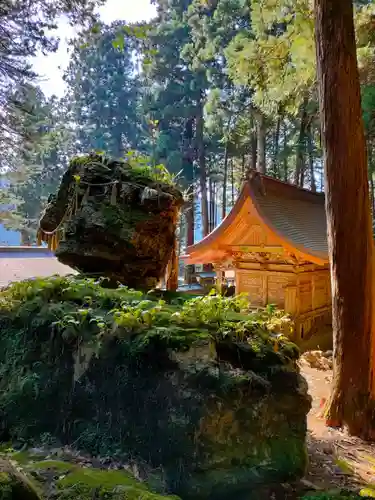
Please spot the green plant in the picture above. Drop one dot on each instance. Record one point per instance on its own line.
(339, 495)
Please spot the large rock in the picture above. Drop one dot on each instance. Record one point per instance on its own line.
(131, 388)
(111, 219)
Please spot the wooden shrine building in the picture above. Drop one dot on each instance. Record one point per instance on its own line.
(274, 239)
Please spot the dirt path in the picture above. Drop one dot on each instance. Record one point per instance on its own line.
(336, 459)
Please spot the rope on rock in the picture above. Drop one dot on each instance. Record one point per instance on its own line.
(53, 238)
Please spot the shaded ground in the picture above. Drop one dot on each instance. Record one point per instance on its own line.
(336, 459)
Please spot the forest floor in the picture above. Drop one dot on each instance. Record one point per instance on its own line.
(336, 459)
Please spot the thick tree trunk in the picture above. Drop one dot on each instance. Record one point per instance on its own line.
(348, 215)
(371, 175)
(202, 167)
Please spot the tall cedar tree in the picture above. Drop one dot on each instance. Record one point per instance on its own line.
(26, 28)
(348, 207)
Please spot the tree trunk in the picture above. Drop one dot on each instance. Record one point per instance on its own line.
(225, 180)
(214, 204)
(254, 152)
(276, 149)
(232, 181)
(310, 147)
(202, 167)
(25, 238)
(350, 240)
(172, 280)
(261, 144)
(243, 163)
(210, 206)
(371, 175)
(285, 156)
(301, 145)
(190, 229)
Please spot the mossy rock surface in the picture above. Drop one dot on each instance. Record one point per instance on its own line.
(103, 369)
(62, 480)
(14, 485)
(113, 219)
(341, 495)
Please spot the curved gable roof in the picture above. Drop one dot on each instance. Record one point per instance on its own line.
(294, 215)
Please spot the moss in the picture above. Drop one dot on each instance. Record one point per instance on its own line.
(80, 491)
(14, 485)
(57, 465)
(22, 457)
(333, 495)
(119, 220)
(73, 481)
(95, 478)
(208, 426)
(84, 482)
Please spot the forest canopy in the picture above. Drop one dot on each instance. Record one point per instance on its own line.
(210, 90)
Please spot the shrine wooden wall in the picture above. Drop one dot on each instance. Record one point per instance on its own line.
(304, 294)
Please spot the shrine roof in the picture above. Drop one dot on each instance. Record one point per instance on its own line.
(295, 216)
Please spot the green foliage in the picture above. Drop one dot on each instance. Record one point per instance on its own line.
(112, 371)
(335, 495)
(104, 93)
(81, 310)
(38, 162)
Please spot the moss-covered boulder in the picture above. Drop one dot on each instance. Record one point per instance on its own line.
(113, 218)
(65, 480)
(120, 374)
(14, 485)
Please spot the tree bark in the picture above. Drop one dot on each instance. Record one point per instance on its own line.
(276, 149)
(285, 155)
(232, 181)
(172, 280)
(371, 175)
(202, 167)
(301, 145)
(190, 229)
(225, 181)
(350, 240)
(254, 152)
(310, 147)
(210, 206)
(261, 142)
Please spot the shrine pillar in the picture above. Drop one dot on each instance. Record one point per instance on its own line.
(220, 277)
